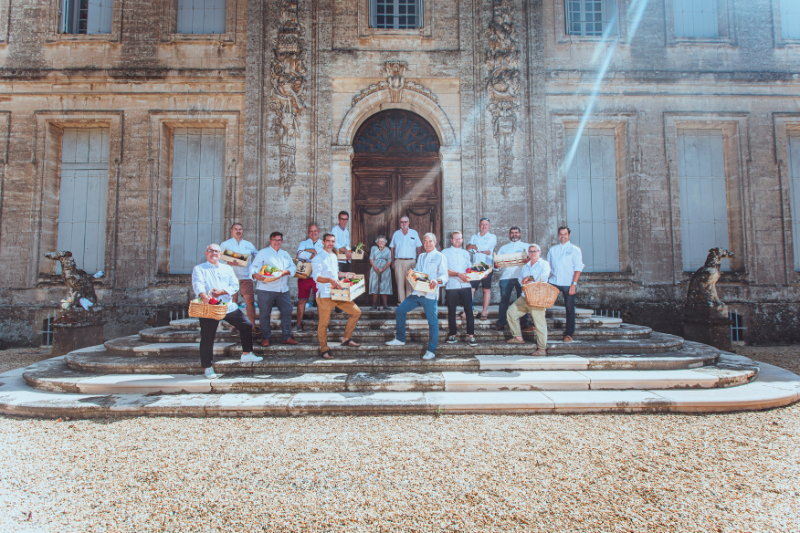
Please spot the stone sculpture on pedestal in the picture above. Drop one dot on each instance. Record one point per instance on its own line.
(706, 317)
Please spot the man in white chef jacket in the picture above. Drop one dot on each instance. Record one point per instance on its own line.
(482, 245)
(405, 247)
(213, 279)
(458, 290)
(509, 279)
(434, 264)
(566, 263)
(237, 244)
(306, 251)
(535, 270)
(274, 292)
(342, 235)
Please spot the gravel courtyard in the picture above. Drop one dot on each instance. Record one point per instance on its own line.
(655, 473)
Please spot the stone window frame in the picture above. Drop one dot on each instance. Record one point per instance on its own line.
(161, 124)
(777, 28)
(169, 25)
(735, 130)
(56, 37)
(564, 37)
(5, 20)
(47, 143)
(625, 126)
(783, 123)
(726, 20)
(367, 32)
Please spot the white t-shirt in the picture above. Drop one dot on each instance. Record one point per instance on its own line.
(484, 243)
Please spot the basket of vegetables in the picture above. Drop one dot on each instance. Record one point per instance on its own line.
(419, 281)
(270, 272)
(235, 258)
(358, 252)
(214, 309)
(478, 271)
(351, 289)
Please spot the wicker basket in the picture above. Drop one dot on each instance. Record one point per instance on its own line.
(199, 310)
(540, 294)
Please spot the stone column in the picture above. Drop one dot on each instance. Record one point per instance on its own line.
(341, 186)
(453, 208)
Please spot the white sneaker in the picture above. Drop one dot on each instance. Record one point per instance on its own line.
(428, 356)
(250, 358)
(308, 305)
(210, 374)
(395, 342)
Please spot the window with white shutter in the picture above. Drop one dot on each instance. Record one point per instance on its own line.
(201, 16)
(86, 17)
(591, 18)
(82, 199)
(703, 196)
(592, 213)
(198, 178)
(790, 19)
(696, 18)
(794, 191)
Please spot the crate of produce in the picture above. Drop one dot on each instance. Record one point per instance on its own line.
(303, 269)
(540, 294)
(478, 271)
(235, 258)
(358, 253)
(515, 259)
(351, 289)
(419, 281)
(217, 310)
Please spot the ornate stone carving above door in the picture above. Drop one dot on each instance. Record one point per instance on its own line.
(395, 84)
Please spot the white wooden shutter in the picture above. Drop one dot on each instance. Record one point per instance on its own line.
(82, 201)
(592, 199)
(703, 196)
(198, 178)
(790, 19)
(201, 16)
(696, 18)
(794, 191)
(98, 19)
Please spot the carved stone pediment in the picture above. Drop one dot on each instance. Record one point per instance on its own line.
(395, 84)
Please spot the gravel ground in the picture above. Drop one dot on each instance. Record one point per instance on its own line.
(657, 473)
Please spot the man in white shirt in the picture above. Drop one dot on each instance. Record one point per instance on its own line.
(482, 247)
(214, 280)
(405, 247)
(566, 262)
(325, 273)
(306, 251)
(434, 264)
(458, 289)
(535, 270)
(274, 291)
(237, 244)
(509, 279)
(342, 235)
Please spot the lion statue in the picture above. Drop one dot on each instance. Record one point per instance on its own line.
(703, 286)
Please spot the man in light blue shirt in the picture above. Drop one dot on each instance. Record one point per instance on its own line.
(509, 279)
(434, 264)
(306, 252)
(458, 289)
(405, 246)
(274, 291)
(566, 261)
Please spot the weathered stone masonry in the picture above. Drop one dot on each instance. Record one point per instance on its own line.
(500, 81)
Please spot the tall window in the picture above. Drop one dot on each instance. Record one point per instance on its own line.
(590, 18)
(87, 17)
(592, 199)
(794, 190)
(395, 14)
(201, 17)
(82, 199)
(696, 18)
(198, 177)
(703, 196)
(790, 19)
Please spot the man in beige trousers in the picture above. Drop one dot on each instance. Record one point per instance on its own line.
(535, 269)
(405, 246)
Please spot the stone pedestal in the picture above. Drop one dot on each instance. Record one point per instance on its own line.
(709, 325)
(74, 330)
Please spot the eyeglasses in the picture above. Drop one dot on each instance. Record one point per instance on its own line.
(535, 252)
(211, 250)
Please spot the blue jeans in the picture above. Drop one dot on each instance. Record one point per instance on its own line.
(507, 287)
(431, 313)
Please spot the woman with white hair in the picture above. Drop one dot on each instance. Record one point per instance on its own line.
(380, 257)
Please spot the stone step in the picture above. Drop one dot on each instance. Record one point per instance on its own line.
(772, 387)
(656, 342)
(55, 375)
(169, 334)
(98, 359)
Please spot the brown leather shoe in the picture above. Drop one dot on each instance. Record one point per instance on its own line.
(567, 338)
(498, 327)
(289, 341)
(264, 342)
(529, 329)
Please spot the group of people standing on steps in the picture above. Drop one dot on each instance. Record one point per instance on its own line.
(404, 252)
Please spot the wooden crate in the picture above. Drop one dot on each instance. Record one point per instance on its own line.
(423, 286)
(356, 256)
(349, 291)
(510, 260)
(303, 269)
(233, 260)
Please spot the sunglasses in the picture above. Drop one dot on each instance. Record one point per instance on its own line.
(481, 220)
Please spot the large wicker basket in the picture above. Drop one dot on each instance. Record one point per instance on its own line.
(540, 294)
(200, 310)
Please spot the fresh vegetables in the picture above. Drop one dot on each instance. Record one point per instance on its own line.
(212, 301)
(478, 267)
(234, 254)
(419, 276)
(359, 248)
(268, 271)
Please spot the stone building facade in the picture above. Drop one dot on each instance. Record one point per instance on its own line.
(685, 119)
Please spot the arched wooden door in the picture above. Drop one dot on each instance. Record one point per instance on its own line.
(396, 171)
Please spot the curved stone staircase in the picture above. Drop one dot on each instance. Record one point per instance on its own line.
(610, 367)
